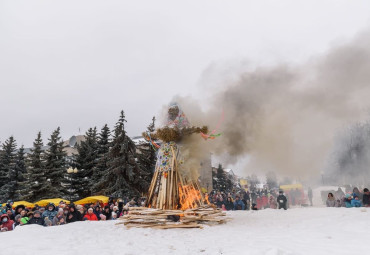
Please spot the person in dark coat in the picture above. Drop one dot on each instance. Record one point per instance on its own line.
(282, 201)
(73, 214)
(37, 219)
(18, 209)
(107, 212)
(366, 197)
(97, 211)
(229, 205)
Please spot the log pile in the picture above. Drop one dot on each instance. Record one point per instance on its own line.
(142, 217)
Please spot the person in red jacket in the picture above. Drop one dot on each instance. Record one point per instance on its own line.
(90, 215)
(6, 224)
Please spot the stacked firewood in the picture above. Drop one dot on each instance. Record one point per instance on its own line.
(143, 217)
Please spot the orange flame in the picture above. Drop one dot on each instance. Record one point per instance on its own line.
(189, 197)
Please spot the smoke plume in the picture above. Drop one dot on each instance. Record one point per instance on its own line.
(285, 117)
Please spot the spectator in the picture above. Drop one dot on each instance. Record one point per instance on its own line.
(59, 219)
(356, 192)
(26, 218)
(6, 223)
(10, 214)
(238, 204)
(50, 212)
(17, 220)
(330, 201)
(348, 200)
(90, 215)
(73, 215)
(229, 205)
(36, 219)
(366, 197)
(356, 202)
(282, 201)
(97, 211)
(107, 212)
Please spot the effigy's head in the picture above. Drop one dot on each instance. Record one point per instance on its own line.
(176, 118)
(173, 112)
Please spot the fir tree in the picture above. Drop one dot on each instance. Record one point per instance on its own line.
(102, 159)
(147, 155)
(20, 173)
(85, 161)
(220, 180)
(55, 164)
(124, 175)
(36, 185)
(7, 169)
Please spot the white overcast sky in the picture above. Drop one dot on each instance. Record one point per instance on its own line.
(76, 64)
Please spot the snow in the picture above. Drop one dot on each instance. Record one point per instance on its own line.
(312, 230)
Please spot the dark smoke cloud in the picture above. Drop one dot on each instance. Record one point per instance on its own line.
(285, 117)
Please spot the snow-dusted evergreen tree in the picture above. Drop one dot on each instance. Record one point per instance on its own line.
(20, 173)
(102, 159)
(7, 169)
(147, 155)
(55, 165)
(123, 176)
(86, 160)
(220, 179)
(36, 186)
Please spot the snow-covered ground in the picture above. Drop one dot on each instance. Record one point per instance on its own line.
(295, 231)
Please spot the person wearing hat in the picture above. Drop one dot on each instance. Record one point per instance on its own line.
(6, 224)
(366, 197)
(50, 212)
(90, 215)
(348, 200)
(36, 219)
(282, 201)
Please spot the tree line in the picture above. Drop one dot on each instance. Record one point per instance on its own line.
(107, 163)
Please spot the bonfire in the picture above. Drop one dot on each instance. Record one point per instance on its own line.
(174, 199)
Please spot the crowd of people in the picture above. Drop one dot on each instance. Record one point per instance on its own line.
(52, 215)
(354, 198)
(257, 199)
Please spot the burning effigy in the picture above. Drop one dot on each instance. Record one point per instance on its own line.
(174, 196)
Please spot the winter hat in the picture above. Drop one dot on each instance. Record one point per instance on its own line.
(79, 207)
(102, 217)
(348, 195)
(36, 212)
(366, 190)
(60, 210)
(115, 207)
(17, 217)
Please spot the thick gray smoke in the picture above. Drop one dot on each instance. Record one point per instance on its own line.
(350, 157)
(285, 117)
